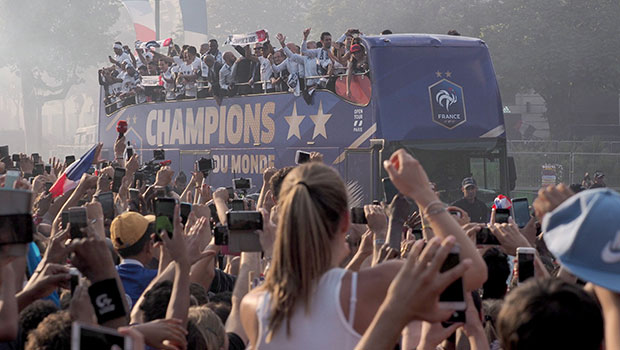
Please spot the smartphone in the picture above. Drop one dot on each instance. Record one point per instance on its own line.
(164, 213)
(238, 205)
(521, 210)
(4, 151)
(186, 208)
(48, 186)
(16, 229)
(15, 157)
(134, 194)
(525, 262)
(485, 237)
(38, 169)
(96, 337)
(241, 241)
(244, 220)
(242, 184)
(69, 160)
(358, 216)
(389, 189)
(301, 157)
(221, 235)
(138, 179)
(159, 154)
(213, 210)
(231, 192)
(107, 204)
(64, 219)
(78, 221)
(205, 165)
(36, 158)
(48, 169)
(11, 177)
(117, 181)
(129, 151)
(75, 278)
(452, 297)
(502, 215)
(417, 234)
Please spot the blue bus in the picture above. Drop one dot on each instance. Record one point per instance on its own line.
(435, 95)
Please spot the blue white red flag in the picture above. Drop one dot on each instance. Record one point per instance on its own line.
(70, 178)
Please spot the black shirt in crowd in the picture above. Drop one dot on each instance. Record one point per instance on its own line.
(477, 211)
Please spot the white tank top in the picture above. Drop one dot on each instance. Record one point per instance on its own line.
(324, 327)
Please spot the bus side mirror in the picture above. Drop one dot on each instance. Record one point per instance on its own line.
(512, 174)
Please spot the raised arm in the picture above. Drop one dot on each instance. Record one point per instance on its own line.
(411, 180)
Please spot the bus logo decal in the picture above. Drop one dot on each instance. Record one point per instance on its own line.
(447, 103)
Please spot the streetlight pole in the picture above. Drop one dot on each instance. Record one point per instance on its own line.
(157, 19)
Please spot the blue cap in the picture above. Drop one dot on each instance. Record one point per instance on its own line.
(584, 234)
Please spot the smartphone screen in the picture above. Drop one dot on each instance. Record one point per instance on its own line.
(11, 177)
(78, 220)
(358, 216)
(389, 189)
(417, 234)
(64, 219)
(302, 157)
(96, 337)
(213, 210)
(48, 169)
(245, 221)
(242, 184)
(164, 212)
(38, 169)
(238, 205)
(4, 151)
(485, 237)
(186, 208)
(525, 262)
(107, 204)
(502, 215)
(129, 151)
(119, 173)
(521, 210)
(454, 292)
(17, 229)
(221, 235)
(231, 192)
(36, 158)
(48, 186)
(69, 160)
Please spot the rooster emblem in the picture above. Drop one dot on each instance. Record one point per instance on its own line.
(446, 99)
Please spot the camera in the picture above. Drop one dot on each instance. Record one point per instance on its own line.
(221, 235)
(205, 165)
(159, 154)
(242, 184)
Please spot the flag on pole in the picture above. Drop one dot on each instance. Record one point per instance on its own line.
(70, 178)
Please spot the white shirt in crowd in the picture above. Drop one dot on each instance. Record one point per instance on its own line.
(169, 86)
(226, 79)
(124, 57)
(309, 64)
(296, 72)
(188, 69)
(320, 54)
(266, 72)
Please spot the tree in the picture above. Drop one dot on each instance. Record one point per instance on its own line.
(566, 51)
(49, 44)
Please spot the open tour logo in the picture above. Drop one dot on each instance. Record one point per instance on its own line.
(447, 103)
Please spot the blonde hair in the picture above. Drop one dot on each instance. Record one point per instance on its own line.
(209, 325)
(311, 202)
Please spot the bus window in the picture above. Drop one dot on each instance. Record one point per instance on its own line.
(486, 172)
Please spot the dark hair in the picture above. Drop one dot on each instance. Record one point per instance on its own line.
(195, 339)
(454, 32)
(550, 314)
(118, 42)
(576, 188)
(275, 183)
(386, 32)
(135, 248)
(192, 50)
(54, 332)
(213, 41)
(499, 270)
(221, 309)
(225, 297)
(199, 292)
(156, 301)
(33, 314)
(324, 34)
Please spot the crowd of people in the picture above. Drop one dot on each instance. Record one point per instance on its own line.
(102, 252)
(189, 73)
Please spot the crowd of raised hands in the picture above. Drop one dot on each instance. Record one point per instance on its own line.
(203, 296)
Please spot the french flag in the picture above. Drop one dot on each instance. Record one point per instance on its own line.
(70, 178)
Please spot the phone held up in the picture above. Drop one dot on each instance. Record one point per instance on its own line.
(453, 297)
(164, 216)
(525, 263)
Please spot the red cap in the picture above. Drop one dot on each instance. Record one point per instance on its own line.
(121, 126)
(356, 48)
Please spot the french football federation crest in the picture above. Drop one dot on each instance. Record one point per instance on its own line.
(447, 103)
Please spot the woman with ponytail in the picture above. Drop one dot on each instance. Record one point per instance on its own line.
(307, 301)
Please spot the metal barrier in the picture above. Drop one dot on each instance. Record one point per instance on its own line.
(570, 167)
